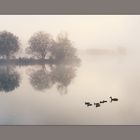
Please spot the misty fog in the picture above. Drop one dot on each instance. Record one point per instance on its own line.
(108, 50)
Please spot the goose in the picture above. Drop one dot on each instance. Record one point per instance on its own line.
(88, 104)
(97, 104)
(103, 101)
(113, 99)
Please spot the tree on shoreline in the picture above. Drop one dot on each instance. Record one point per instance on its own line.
(63, 50)
(39, 45)
(9, 44)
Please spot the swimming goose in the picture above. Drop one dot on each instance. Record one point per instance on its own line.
(88, 104)
(97, 104)
(103, 101)
(113, 99)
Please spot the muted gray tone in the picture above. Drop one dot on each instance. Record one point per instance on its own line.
(70, 7)
(70, 132)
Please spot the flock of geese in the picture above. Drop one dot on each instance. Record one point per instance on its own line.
(99, 104)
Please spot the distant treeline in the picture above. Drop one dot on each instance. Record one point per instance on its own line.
(118, 50)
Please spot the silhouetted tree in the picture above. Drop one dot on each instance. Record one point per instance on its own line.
(9, 44)
(39, 45)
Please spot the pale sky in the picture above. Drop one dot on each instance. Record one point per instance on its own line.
(85, 31)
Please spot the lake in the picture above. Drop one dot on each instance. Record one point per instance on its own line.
(38, 95)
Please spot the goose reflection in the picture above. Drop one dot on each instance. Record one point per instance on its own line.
(47, 76)
(9, 78)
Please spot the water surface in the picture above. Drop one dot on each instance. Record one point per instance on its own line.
(38, 95)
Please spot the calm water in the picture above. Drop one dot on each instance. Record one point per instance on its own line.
(35, 96)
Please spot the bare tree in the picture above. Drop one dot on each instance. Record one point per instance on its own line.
(9, 44)
(39, 45)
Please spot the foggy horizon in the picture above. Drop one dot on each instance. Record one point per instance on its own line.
(85, 31)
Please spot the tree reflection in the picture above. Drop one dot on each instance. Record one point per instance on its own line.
(41, 79)
(9, 79)
(59, 75)
(62, 75)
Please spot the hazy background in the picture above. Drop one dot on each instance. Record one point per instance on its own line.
(86, 31)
